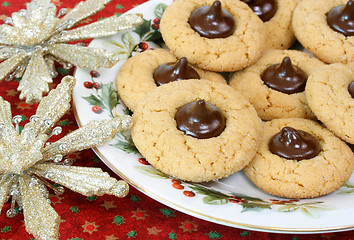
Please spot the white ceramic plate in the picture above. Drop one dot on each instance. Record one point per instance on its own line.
(233, 201)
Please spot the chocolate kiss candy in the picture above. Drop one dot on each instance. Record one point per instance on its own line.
(264, 9)
(212, 21)
(285, 77)
(171, 71)
(351, 89)
(200, 119)
(294, 144)
(341, 19)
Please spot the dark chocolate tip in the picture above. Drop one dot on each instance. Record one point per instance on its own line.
(174, 71)
(294, 144)
(200, 119)
(285, 77)
(264, 9)
(351, 89)
(212, 21)
(341, 19)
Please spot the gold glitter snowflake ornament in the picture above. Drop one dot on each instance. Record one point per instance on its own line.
(32, 40)
(28, 160)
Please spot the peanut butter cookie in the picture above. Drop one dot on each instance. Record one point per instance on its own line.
(298, 158)
(284, 97)
(168, 136)
(240, 47)
(277, 16)
(136, 77)
(330, 95)
(319, 28)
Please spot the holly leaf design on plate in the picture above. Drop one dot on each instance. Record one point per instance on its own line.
(160, 9)
(143, 28)
(127, 111)
(119, 49)
(93, 100)
(251, 203)
(215, 200)
(151, 171)
(248, 198)
(129, 42)
(155, 37)
(125, 146)
(106, 97)
(124, 49)
(255, 206)
(125, 143)
(212, 197)
(310, 209)
(109, 96)
(347, 188)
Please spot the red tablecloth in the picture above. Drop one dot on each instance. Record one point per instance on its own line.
(136, 216)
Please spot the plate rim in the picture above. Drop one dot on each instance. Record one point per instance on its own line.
(198, 214)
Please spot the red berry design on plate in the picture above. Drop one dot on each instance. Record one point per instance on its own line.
(177, 186)
(88, 84)
(157, 20)
(96, 109)
(236, 200)
(143, 46)
(176, 181)
(96, 85)
(276, 201)
(143, 161)
(155, 26)
(94, 74)
(189, 193)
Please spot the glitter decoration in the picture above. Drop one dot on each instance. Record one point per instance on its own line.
(32, 40)
(28, 160)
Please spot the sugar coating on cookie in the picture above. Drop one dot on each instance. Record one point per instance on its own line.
(312, 31)
(135, 78)
(329, 98)
(169, 150)
(279, 31)
(309, 178)
(232, 53)
(270, 103)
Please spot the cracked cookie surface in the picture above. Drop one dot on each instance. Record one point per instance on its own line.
(270, 103)
(329, 98)
(135, 79)
(312, 31)
(169, 150)
(309, 178)
(235, 52)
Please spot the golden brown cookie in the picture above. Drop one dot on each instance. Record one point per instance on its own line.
(232, 53)
(277, 21)
(327, 93)
(169, 150)
(311, 29)
(135, 78)
(307, 178)
(270, 103)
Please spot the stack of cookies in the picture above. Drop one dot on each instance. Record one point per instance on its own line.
(192, 124)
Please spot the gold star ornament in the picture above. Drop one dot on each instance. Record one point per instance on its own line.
(28, 159)
(32, 40)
